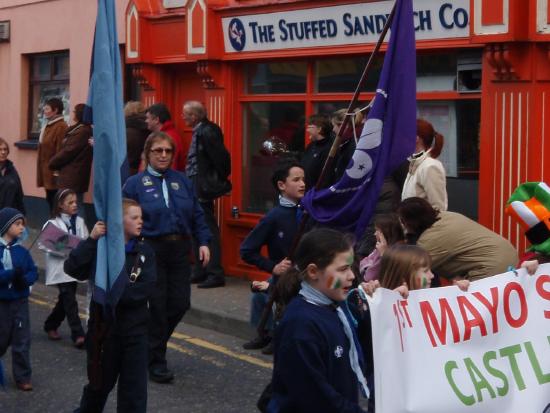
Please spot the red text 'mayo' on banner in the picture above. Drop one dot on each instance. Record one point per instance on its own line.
(484, 350)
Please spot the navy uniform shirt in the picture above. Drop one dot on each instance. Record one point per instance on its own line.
(183, 216)
(312, 372)
(276, 230)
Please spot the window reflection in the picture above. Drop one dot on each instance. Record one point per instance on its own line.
(280, 77)
(278, 121)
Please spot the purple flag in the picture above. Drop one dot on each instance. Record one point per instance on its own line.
(387, 139)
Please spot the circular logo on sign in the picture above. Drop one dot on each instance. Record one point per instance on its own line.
(236, 33)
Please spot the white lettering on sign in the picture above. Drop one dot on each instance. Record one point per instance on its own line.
(341, 25)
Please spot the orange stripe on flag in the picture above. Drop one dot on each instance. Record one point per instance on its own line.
(510, 210)
(538, 209)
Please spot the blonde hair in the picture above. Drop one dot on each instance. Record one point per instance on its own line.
(400, 263)
(339, 116)
(133, 107)
(127, 203)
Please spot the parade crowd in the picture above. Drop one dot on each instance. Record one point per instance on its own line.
(310, 313)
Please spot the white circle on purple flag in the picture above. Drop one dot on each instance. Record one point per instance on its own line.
(362, 164)
(371, 137)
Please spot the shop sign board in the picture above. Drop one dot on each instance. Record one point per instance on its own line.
(340, 25)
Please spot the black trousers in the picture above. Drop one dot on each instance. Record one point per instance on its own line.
(124, 358)
(214, 268)
(50, 197)
(172, 295)
(66, 306)
(15, 331)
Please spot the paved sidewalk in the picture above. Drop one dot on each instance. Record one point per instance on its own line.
(225, 309)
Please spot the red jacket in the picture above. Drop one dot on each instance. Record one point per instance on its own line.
(180, 157)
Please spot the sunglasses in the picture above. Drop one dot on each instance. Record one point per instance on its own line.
(160, 151)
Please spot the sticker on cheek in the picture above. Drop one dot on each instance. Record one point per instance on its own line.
(424, 282)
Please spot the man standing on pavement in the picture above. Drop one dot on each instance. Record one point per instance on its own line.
(208, 166)
(158, 119)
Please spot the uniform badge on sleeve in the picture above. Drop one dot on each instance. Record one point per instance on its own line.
(175, 186)
(146, 180)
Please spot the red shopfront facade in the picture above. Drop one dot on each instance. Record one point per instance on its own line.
(262, 67)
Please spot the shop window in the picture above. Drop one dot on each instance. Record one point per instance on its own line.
(458, 122)
(342, 75)
(49, 77)
(282, 123)
(280, 77)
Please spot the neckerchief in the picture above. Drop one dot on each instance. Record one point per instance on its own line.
(287, 203)
(70, 222)
(313, 296)
(164, 184)
(6, 254)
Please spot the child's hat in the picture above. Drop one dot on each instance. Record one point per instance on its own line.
(7, 217)
(530, 206)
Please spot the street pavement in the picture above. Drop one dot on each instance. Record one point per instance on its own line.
(213, 373)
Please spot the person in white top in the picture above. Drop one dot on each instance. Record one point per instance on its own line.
(427, 178)
(65, 218)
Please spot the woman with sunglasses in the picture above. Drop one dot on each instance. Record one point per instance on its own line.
(172, 216)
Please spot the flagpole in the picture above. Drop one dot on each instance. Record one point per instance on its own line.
(328, 163)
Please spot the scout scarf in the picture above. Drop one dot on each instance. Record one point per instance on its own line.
(6, 254)
(164, 184)
(313, 296)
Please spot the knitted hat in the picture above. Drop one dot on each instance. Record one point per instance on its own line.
(530, 206)
(7, 217)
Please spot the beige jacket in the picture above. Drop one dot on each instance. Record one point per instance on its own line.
(426, 179)
(460, 247)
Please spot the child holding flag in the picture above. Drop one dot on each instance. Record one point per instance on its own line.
(117, 349)
(17, 274)
(318, 361)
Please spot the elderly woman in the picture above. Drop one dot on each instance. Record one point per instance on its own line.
(172, 216)
(49, 143)
(459, 247)
(73, 161)
(11, 191)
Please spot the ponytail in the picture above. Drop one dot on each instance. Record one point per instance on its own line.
(437, 146)
(431, 140)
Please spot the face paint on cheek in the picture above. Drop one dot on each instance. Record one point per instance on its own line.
(333, 282)
(424, 282)
(350, 260)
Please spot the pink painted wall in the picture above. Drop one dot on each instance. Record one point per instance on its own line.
(39, 26)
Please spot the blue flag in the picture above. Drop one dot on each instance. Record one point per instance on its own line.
(105, 101)
(387, 139)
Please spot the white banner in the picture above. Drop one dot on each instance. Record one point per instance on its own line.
(340, 25)
(484, 350)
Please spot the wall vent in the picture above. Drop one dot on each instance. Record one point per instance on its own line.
(5, 31)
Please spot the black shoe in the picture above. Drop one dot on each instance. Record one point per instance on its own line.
(161, 375)
(197, 278)
(212, 282)
(269, 349)
(257, 343)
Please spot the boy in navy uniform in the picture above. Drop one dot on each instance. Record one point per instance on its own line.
(17, 274)
(276, 230)
(118, 349)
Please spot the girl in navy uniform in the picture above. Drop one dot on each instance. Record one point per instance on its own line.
(318, 360)
(117, 349)
(66, 219)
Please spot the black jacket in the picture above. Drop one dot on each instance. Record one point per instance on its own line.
(313, 160)
(11, 191)
(213, 162)
(131, 314)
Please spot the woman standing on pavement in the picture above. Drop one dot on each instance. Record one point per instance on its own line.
(172, 216)
(49, 143)
(74, 159)
(11, 191)
(426, 178)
